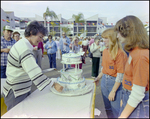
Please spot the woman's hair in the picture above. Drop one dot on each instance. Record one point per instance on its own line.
(16, 32)
(97, 38)
(132, 29)
(50, 36)
(114, 44)
(74, 38)
(34, 28)
(84, 38)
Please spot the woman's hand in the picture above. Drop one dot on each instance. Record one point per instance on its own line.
(111, 96)
(96, 81)
(58, 87)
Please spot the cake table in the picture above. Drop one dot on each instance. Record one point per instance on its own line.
(45, 104)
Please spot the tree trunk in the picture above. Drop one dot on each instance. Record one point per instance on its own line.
(44, 23)
(48, 27)
(77, 29)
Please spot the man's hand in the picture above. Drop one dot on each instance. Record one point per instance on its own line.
(35, 48)
(98, 47)
(58, 87)
(70, 46)
(6, 50)
(65, 44)
(60, 53)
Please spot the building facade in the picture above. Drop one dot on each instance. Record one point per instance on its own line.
(93, 25)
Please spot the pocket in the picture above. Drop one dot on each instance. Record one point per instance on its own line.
(112, 78)
(146, 107)
(111, 81)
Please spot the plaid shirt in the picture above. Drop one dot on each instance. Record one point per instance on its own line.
(4, 44)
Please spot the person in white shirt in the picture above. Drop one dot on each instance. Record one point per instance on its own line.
(95, 50)
(58, 51)
(64, 43)
(22, 68)
(85, 43)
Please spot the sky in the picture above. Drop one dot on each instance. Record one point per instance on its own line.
(113, 10)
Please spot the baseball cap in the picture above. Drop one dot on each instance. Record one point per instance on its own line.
(7, 28)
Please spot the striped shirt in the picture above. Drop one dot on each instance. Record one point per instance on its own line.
(22, 69)
(5, 44)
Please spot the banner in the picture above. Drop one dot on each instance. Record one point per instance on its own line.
(81, 24)
(7, 20)
(89, 23)
(3, 20)
(52, 23)
(112, 24)
(93, 24)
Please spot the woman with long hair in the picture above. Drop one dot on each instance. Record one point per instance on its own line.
(113, 65)
(135, 95)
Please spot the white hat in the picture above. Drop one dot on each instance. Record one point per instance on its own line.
(7, 28)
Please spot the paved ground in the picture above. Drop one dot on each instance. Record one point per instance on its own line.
(86, 73)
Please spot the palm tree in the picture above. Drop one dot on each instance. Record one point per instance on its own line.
(78, 19)
(52, 32)
(83, 31)
(50, 14)
(66, 30)
(53, 25)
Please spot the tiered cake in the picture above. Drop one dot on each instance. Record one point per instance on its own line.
(71, 78)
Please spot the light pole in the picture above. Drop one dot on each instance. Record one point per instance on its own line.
(48, 19)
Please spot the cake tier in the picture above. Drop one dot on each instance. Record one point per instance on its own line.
(70, 86)
(71, 57)
(71, 75)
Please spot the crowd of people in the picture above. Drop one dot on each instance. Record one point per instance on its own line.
(125, 64)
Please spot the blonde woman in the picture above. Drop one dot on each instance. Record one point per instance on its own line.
(135, 95)
(113, 65)
(76, 49)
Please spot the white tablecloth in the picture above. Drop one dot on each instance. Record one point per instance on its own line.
(47, 104)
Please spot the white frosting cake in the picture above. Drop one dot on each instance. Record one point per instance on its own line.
(71, 57)
(71, 78)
